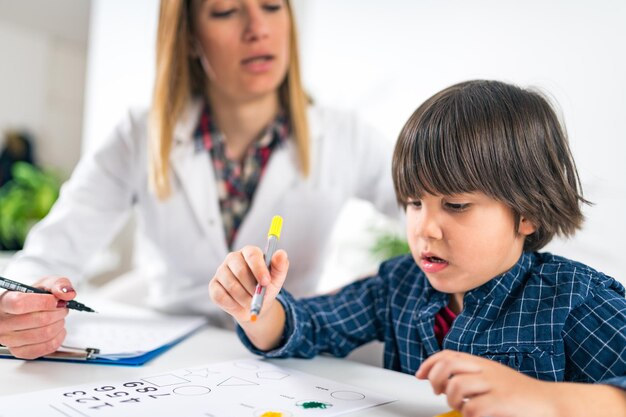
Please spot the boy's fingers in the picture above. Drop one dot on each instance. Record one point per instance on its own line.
(280, 266)
(256, 262)
(234, 288)
(481, 405)
(424, 369)
(236, 279)
(222, 298)
(465, 386)
(446, 367)
(237, 267)
(447, 358)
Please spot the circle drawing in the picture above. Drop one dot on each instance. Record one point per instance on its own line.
(275, 375)
(347, 395)
(191, 390)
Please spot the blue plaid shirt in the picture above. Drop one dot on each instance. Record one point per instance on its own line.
(547, 317)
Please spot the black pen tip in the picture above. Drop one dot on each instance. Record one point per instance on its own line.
(75, 305)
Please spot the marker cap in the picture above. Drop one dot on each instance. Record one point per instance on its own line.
(275, 227)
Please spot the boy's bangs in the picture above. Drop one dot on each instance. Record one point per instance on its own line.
(496, 139)
(439, 154)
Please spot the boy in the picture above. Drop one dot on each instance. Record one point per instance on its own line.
(486, 176)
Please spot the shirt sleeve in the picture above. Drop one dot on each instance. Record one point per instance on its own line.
(335, 324)
(595, 339)
(92, 207)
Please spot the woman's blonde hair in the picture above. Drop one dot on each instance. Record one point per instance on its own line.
(179, 76)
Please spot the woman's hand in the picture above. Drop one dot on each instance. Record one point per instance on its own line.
(479, 387)
(33, 325)
(235, 280)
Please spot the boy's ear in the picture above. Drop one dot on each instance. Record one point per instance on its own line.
(526, 227)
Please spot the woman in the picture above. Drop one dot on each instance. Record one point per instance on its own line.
(230, 141)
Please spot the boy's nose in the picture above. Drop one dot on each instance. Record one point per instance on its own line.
(428, 227)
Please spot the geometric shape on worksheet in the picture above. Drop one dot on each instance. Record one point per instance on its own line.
(275, 375)
(234, 381)
(202, 373)
(191, 390)
(165, 380)
(347, 395)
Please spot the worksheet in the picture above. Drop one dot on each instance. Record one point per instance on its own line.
(243, 388)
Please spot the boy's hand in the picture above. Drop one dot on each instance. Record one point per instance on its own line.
(234, 282)
(33, 325)
(479, 387)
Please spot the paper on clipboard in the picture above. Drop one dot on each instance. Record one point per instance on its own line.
(120, 339)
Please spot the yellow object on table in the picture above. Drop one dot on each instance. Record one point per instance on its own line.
(452, 413)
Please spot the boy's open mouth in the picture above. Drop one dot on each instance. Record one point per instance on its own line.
(434, 259)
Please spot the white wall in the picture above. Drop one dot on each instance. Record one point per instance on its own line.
(23, 54)
(120, 75)
(382, 59)
(42, 73)
(120, 63)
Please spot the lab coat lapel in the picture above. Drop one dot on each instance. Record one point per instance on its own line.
(195, 174)
(280, 176)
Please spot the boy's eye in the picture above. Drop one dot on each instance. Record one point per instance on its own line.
(414, 204)
(457, 206)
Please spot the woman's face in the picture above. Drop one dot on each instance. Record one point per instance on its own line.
(244, 45)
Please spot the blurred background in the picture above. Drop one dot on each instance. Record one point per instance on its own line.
(71, 68)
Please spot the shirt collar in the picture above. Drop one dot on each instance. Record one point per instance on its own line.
(498, 287)
(502, 285)
(208, 136)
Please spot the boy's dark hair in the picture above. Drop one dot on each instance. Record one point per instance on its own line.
(498, 139)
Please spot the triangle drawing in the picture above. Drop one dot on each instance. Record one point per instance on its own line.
(234, 381)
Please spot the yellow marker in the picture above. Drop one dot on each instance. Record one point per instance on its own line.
(272, 239)
(452, 413)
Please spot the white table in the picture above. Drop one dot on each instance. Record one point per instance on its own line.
(415, 398)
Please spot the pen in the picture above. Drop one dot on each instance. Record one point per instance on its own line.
(272, 238)
(10, 285)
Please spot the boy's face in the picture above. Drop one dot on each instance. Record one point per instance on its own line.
(462, 241)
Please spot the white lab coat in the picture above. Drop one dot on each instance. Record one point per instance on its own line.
(180, 242)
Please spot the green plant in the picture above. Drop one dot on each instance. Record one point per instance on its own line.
(24, 201)
(388, 245)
